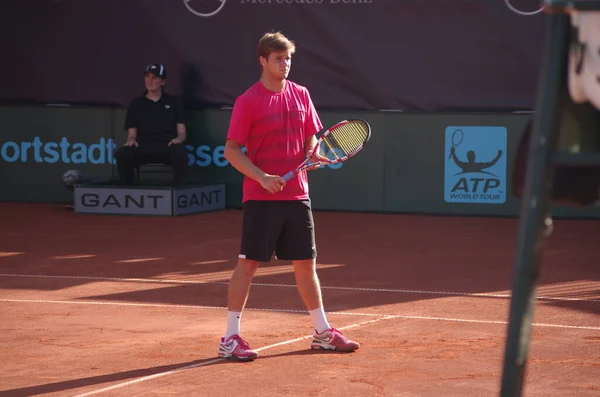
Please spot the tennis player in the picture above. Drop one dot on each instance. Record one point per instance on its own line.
(276, 122)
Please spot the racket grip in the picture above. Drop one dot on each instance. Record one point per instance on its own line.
(288, 176)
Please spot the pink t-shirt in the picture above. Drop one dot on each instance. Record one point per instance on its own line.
(274, 127)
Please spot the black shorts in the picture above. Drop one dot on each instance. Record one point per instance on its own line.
(285, 227)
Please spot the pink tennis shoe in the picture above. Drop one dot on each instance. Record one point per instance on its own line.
(332, 339)
(237, 349)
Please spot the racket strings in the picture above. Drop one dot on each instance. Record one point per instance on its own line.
(344, 140)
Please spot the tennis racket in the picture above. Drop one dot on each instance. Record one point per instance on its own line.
(337, 144)
(457, 138)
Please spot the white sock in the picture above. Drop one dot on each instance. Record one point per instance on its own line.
(319, 321)
(233, 324)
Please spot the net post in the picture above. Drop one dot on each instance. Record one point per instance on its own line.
(534, 204)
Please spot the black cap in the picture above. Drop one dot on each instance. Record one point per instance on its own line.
(157, 69)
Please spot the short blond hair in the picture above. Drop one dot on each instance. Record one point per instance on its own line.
(274, 42)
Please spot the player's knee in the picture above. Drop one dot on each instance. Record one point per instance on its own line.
(247, 266)
(308, 265)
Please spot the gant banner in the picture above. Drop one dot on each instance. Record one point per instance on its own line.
(412, 55)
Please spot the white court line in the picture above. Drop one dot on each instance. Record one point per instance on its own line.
(358, 289)
(161, 374)
(167, 306)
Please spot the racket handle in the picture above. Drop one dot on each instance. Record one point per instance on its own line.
(288, 176)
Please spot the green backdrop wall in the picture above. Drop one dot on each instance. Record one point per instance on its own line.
(403, 169)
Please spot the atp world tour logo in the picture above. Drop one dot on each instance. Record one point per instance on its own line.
(475, 169)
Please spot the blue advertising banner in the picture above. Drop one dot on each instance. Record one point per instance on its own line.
(475, 165)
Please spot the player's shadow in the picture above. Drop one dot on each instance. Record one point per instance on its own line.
(140, 373)
(103, 379)
(304, 352)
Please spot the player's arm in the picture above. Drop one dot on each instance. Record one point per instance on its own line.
(238, 159)
(239, 128)
(241, 162)
(310, 144)
(240, 124)
(312, 125)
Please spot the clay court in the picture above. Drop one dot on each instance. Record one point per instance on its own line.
(135, 306)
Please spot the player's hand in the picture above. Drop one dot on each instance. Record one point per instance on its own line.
(131, 142)
(500, 152)
(175, 141)
(315, 163)
(452, 149)
(272, 183)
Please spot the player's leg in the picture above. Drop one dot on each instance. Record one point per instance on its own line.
(232, 345)
(261, 224)
(297, 243)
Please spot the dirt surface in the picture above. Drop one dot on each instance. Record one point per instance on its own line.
(135, 306)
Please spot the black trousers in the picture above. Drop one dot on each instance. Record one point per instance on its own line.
(129, 157)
